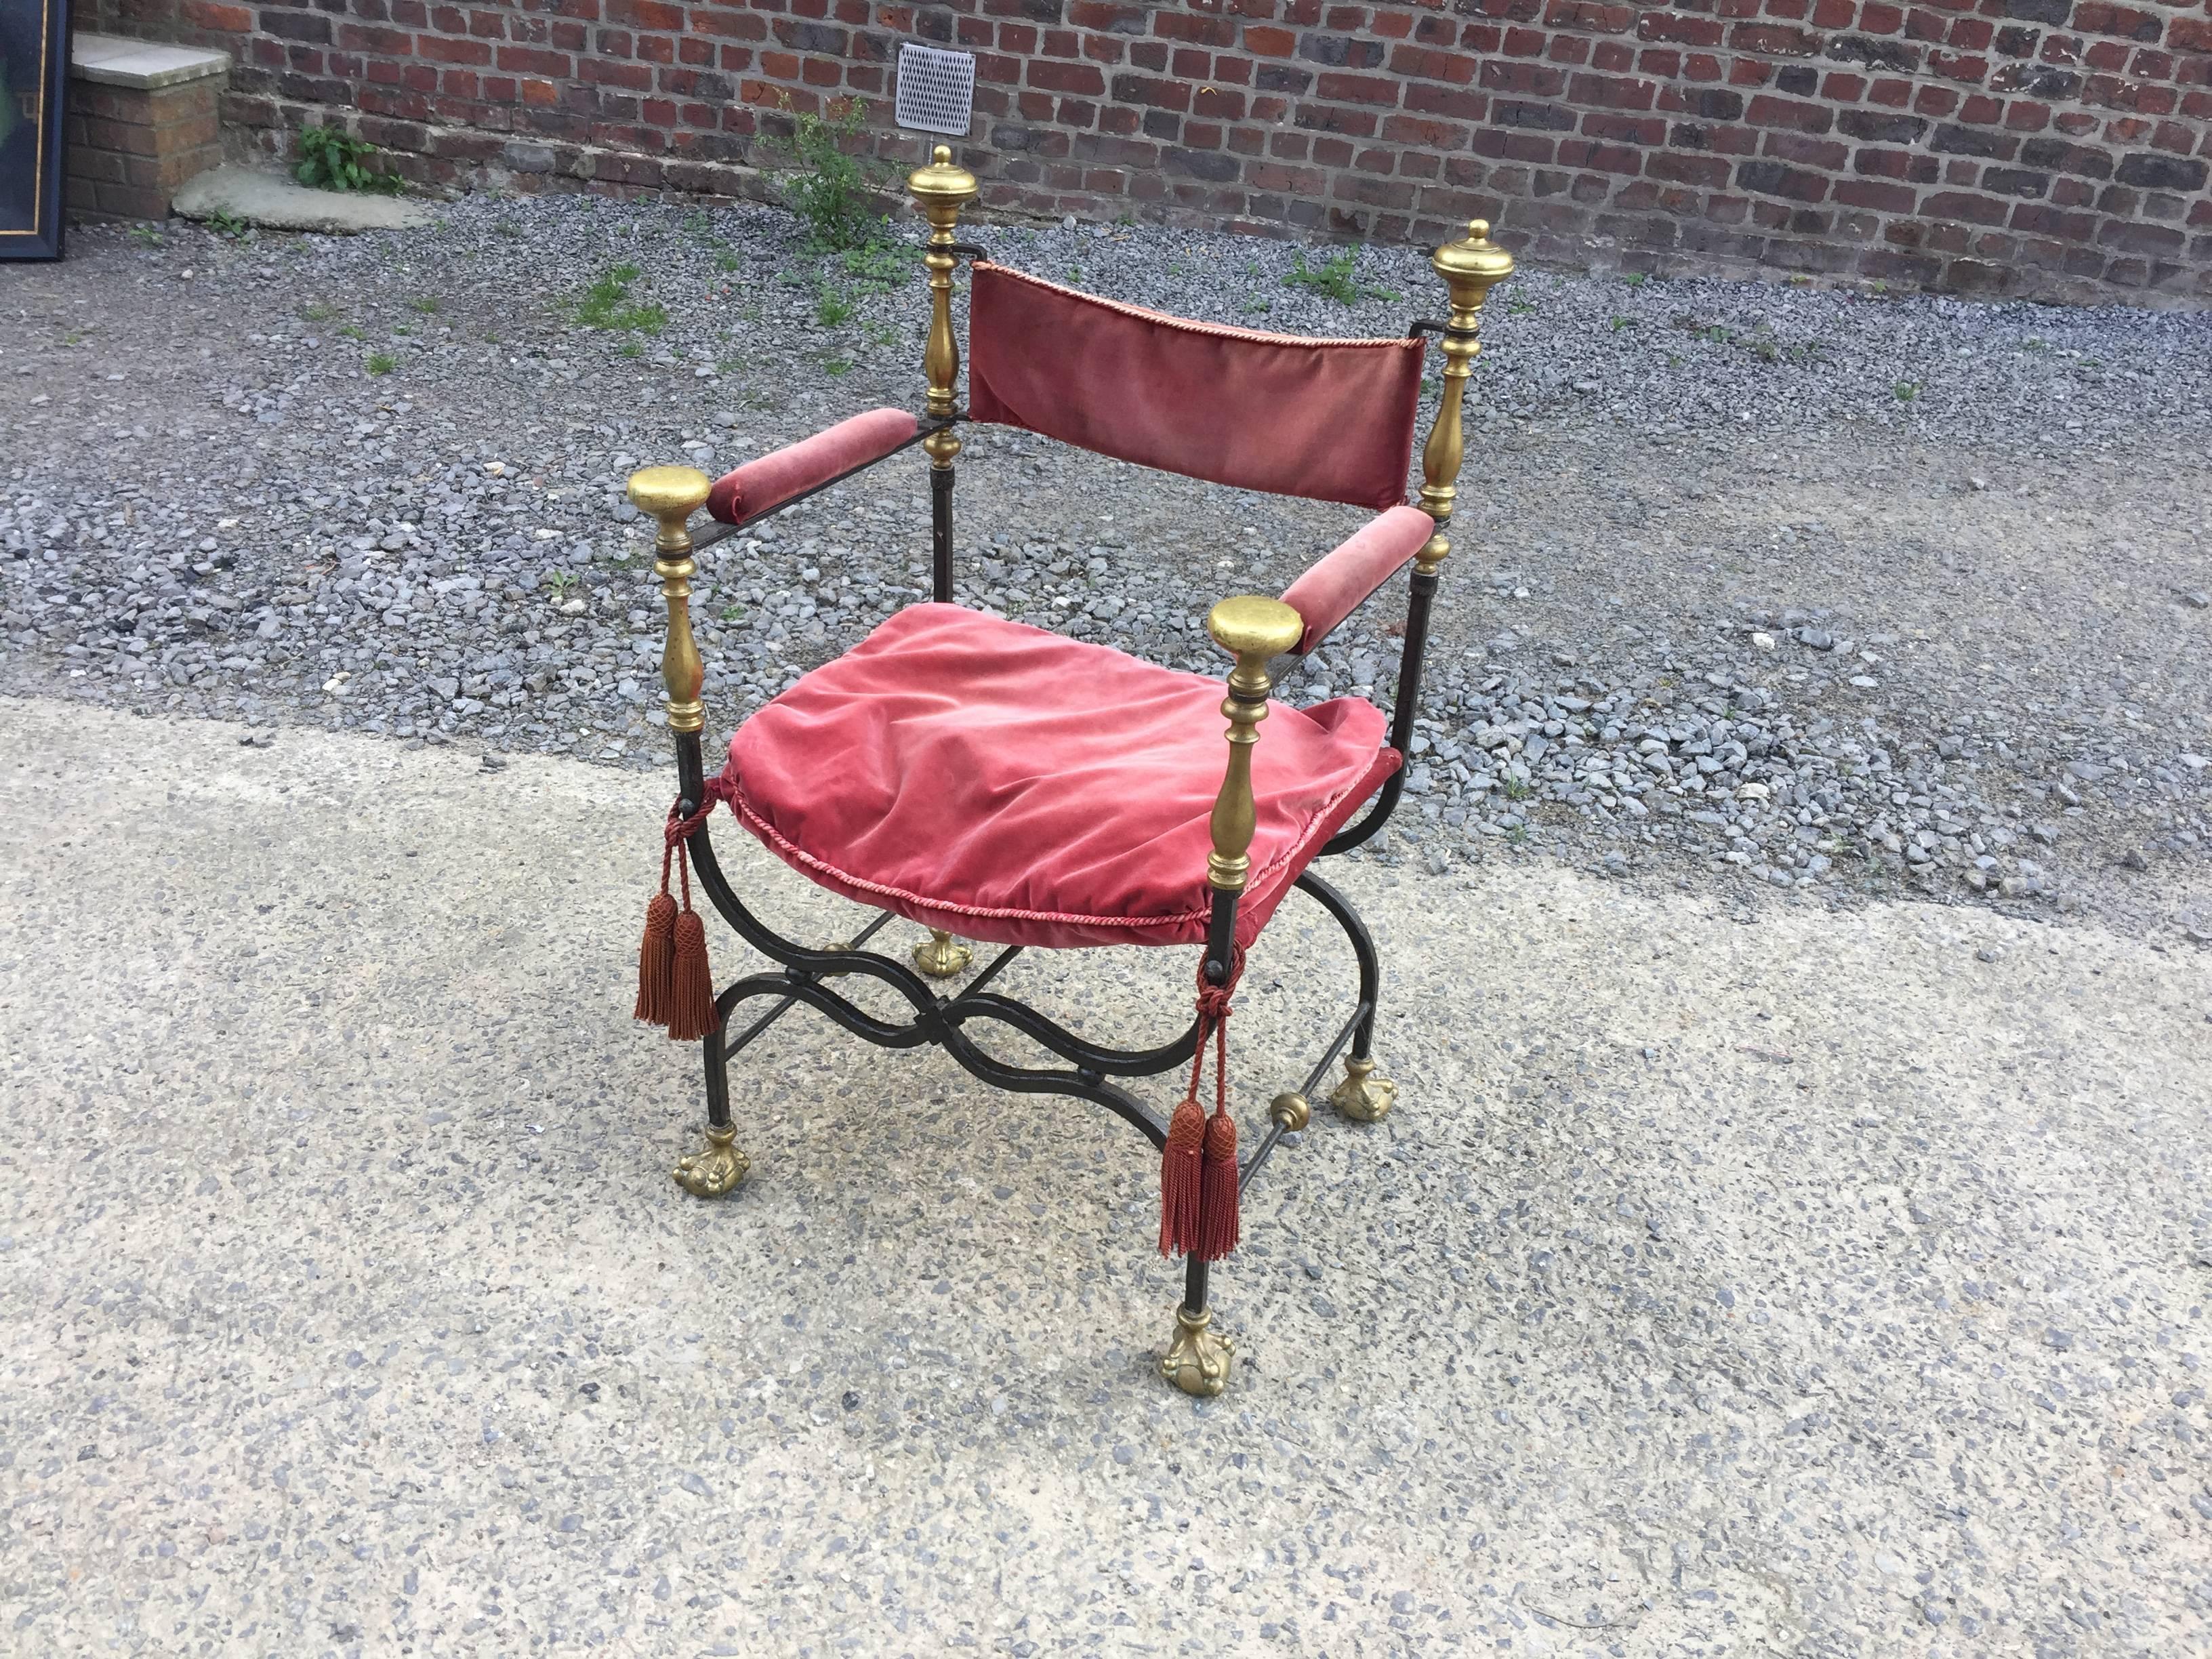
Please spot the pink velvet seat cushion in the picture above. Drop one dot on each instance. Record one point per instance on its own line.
(1009, 785)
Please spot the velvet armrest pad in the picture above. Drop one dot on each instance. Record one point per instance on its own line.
(762, 484)
(1339, 584)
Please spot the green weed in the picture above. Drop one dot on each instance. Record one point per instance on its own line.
(1907, 390)
(146, 236)
(382, 362)
(1332, 278)
(426, 304)
(317, 314)
(607, 304)
(831, 308)
(224, 224)
(831, 189)
(349, 331)
(331, 160)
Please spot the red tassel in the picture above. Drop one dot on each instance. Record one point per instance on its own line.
(1180, 1175)
(1218, 1190)
(656, 960)
(691, 985)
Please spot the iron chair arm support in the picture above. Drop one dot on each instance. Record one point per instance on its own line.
(1470, 267)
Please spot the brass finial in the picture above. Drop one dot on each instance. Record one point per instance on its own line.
(1258, 630)
(941, 189)
(671, 495)
(1472, 266)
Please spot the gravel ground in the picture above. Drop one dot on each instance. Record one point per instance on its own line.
(1771, 589)
(1817, 1288)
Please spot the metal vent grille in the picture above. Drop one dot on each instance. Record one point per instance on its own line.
(936, 90)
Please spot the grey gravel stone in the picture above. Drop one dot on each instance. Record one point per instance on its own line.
(212, 508)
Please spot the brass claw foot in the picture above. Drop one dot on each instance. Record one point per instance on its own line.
(941, 956)
(1198, 1361)
(1363, 1096)
(716, 1170)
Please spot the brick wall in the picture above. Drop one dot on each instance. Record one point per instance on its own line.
(2055, 148)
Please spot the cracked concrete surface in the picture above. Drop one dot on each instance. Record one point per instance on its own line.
(1829, 1283)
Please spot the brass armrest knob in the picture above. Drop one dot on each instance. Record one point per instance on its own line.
(670, 495)
(1254, 628)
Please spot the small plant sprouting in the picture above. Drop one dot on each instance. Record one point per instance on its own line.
(224, 224)
(382, 362)
(632, 349)
(727, 261)
(426, 304)
(560, 582)
(350, 331)
(146, 236)
(832, 308)
(507, 228)
(1516, 788)
(316, 313)
(835, 367)
(1619, 323)
(331, 160)
(1637, 278)
(830, 189)
(606, 304)
(1907, 390)
(1333, 278)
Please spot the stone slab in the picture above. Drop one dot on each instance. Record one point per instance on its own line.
(271, 200)
(114, 61)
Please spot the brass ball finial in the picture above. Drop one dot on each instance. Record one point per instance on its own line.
(940, 189)
(1472, 266)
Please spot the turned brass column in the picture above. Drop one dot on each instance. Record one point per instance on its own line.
(1257, 631)
(671, 495)
(940, 191)
(1471, 267)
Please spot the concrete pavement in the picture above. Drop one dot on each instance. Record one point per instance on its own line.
(1828, 1283)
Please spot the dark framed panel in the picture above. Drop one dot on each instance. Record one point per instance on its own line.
(34, 50)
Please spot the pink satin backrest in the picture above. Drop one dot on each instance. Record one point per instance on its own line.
(773, 479)
(1339, 582)
(1331, 420)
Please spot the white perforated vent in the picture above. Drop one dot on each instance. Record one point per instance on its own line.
(936, 90)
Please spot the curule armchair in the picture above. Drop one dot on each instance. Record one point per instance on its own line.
(998, 783)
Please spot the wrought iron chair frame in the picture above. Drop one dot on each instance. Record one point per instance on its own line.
(1198, 1360)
